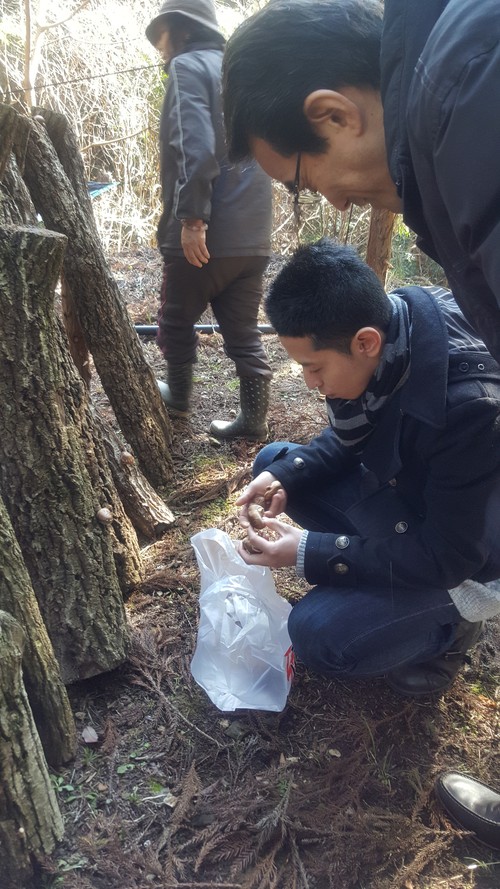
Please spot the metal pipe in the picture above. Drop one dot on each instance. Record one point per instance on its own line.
(152, 329)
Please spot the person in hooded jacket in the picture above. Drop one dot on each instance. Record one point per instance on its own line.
(391, 106)
(214, 231)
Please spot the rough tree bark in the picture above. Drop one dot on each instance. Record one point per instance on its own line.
(16, 207)
(126, 377)
(42, 678)
(76, 339)
(148, 513)
(146, 509)
(378, 252)
(54, 476)
(30, 820)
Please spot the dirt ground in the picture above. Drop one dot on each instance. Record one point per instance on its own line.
(335, 792)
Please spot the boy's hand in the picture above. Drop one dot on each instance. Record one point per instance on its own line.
(259, 488)
(272, 553)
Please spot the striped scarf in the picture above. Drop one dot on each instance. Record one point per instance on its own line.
(354, 421)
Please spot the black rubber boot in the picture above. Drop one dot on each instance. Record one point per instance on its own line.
(177, 392)
(435, 676)
(251, 420)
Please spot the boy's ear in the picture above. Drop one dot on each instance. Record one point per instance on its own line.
(328, 106)
(368, 340)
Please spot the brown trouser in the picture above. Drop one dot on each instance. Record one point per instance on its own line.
(233, 287)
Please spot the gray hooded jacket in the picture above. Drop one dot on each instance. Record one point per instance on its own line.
(198, 181)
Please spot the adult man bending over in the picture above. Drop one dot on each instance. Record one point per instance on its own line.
(393, 106)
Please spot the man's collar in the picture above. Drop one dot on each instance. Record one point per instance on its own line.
(424, 394)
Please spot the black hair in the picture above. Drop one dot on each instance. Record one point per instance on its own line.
(183, 31)
(326, 292)
(280, 55)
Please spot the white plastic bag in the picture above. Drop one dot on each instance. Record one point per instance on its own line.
(243, 655)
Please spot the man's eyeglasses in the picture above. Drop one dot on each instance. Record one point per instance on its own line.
(301, 197)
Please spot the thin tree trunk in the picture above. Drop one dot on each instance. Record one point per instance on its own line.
(42, 677)
(378, 253)
(126, 377)
(52, 468)
(148, 513)
(30, 820)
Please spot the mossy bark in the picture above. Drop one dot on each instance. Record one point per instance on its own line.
(53, 472)
(125, 375)
(30, 820)
(42, 677)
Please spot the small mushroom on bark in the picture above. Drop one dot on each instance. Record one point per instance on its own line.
(127, 459)
(104, 515)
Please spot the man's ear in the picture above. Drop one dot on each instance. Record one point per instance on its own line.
(328, 106)
(367, 341)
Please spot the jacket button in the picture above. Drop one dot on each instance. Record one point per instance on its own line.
(298, 463)
(342, 542)
(401, 527)
(463, 366)
(341, 568)
(393, 482)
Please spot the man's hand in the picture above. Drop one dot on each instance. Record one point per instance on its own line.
(272, 553)
(258, 488)
(194, 246)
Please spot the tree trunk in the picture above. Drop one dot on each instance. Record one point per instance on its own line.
(378, 253)
(52, 470)
(76, 338)
(148, 513)
(30, 820)
(126, 377)
(128, 561)
(15, 203)
(8, 126)
(42, 678)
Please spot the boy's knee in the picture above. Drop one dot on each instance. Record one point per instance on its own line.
(313, 642)
(268, 455)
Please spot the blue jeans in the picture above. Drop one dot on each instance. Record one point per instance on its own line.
(367, 631)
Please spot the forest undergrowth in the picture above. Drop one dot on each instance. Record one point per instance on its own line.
(335, 792)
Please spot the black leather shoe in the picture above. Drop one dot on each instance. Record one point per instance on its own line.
(473, 805)
(435, 676)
